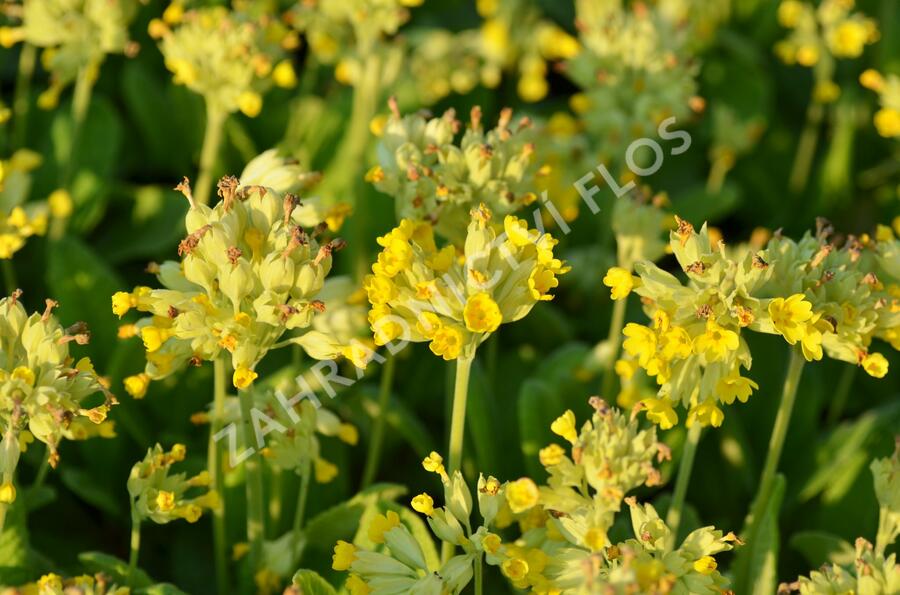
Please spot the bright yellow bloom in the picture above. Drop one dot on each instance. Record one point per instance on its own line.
(121, 303)
(447, 342)
(716, 342)
(887, 122)
(789, 315)
(283, 75)
(551, 455)
(7, 493)
(676, 343)
(564, 426)
(381, 524)
(154, 337)
(706, 413)
(491, 543)
(705, 565)
(250, 103)
(522, 495)
(435, 464)
(734, 386)
(60, 202)
(165, 501)
(660, 412)
(243, 377)
(482, 314)
(348, 434)
(423, 503)
(344, 555)
(137, 385)
(620, 281)
(640, 342)
(356, 586)
(875, 365)
(325, 471)
(514, 568)
(872, 80)
(25, 374)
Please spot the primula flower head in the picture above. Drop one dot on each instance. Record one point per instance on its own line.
(421, 293)
(161, 496)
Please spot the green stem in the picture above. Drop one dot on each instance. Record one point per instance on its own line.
(9, 275)
(779, 432)
(612, 344)
(214, 467)
(457, 427)
(478, 575)
(81, 100)
(806, 148)
(253, 473)
(676, 508)
(300, 515)
(135, 546)
(42, 470)
(845, 383)
(22, 94)
(717, 173)
(212, 138)
(373, 458)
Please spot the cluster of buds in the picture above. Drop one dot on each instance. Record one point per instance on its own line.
(887, 118)
(402, 566)
(634, 72)
(249, 272)
(20, 220)
(162, 497)
(823, 299)
(421, 293)
(54, 584)
(227, 57)
(42, 389)
(76, 37)
(432, 178)
(347, 33)
(829, 30)
(872, 570)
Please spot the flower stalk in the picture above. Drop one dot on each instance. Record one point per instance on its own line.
(135, 546)
(254, 480)
(214, 466)
(212, 139)
(22, 94)
(384, 394)
(613, 342)
(457, 427)
(676, 508)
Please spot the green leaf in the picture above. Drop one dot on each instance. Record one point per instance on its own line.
(756, 564)
(310, 583)
(14, 538)
(539, 405)
(821, 547)
(117, 569)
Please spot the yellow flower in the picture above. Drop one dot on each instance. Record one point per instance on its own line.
(875, 365)
(522, 495)
(381, 524)
(660, 412)
(735, 386)
(887, 122)
(121, 303)
(379, 289)
(348, 434)
(716, 342)
(283, 74)
(551, 455)
(514, 568)
(872, 80)
(516, 230)
(136, 385)
(676, 343)
(595, 538)
(789, 13)
(640, 342)
(25, 374)
(325, 471)
(811, 341)
(344, 555)
(481, 313)
(626, 368)
(424, 504)
(356, 586)
(165, 501)
(250, 103)
(620, 281)
(243, 377)
(849, 38)
(705, 565)
(154, 337)
(435, 464)
(447, 342)
(707, 413)
(540, 282)
(60, 202)
(807, 55)
(7, 493)
(491, 543)
(789, 315)
(564, 426)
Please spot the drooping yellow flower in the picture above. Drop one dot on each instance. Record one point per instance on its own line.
(789, 315)
(551, 455)
(640, 342)
(482, 315)
(716, 342)
(705, 565)
(734, 386)
(324, 471)
(243, 377)
(381, 524)
(660, 412)
(875, 365)
(423, 503)
(564, 426)
(344, 555)
(356, 586)
(137, 385)
(706, 413)
(620, 281)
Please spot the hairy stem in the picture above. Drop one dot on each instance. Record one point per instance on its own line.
(612, 343)
(676, 508)
(373, 458)
(212, 138)
(214, 466)
(135, 546)
(457, 427)
(256, 527)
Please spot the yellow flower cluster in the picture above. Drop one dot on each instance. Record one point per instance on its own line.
(819, 298)
(887, 118)
(42, 387)
(455, 301)
(249, 272)
(54, 584)
(160, 496)
(227, 57)
(76, 37)
(432, 178)
(824, 32)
